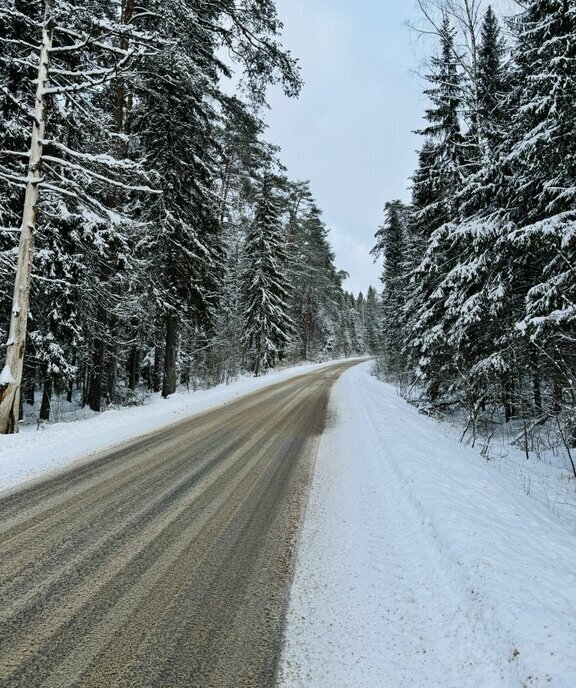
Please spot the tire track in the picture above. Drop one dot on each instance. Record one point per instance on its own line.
(165, 561)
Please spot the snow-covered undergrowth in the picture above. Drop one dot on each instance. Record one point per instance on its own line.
(36, 450)
(422, 565)
(544, 471)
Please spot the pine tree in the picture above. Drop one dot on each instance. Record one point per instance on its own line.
(184, 85)
(242, 154)
(146, 200)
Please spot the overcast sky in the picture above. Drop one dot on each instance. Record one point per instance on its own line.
(350, 132)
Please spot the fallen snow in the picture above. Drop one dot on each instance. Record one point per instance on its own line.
(421, 565)
(36, 450)
(6, 377)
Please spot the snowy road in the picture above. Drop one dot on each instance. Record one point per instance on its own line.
(420, 565)
(167, 561)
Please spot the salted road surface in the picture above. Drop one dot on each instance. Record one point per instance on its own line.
(166, 561)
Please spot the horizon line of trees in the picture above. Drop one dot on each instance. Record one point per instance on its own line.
(481, 265)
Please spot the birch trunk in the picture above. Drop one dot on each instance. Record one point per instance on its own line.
(11, 376)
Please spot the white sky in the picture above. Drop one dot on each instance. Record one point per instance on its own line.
(350, 132)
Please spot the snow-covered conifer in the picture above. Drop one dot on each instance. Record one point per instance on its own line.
(268, 326)
(392, 245)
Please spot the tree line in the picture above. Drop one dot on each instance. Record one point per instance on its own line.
(161, 241)
(482, 263)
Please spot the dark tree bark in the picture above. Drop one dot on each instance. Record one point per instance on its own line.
(29, 386)
(46, 399)
(557, 383)
(133, 367)
(557, 395)
(156, 373)
(170, 355)
(536, 383)
(112, 377)
(509, 407)
(185, 376)
(96, 375)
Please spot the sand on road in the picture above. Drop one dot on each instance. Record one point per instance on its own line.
(167, 561)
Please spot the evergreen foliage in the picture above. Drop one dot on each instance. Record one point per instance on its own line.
(162, 257)
(490, 321)
(267, 323)
(392, 243)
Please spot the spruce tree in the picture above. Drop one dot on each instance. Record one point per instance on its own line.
(469, 307)
(438, 183)
(542, 185)
(268, 326)
(69, 174)
(314, 284)
(373, 322)
(493, 83)
(445, 149)
(392, 245)
(494, 292)
(181, 240)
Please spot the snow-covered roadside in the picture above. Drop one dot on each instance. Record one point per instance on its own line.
(421, 565)
(33, 452)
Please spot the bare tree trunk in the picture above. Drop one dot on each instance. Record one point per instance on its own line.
(156, 377)
(170, 355)
(96, 375)
(536, 383)
(557, 394)
(509, 408)
(122, 105)
(28, 384)
(224, 191)
(186, 346)
(133, 365)
(112, 377)
(558, 381)
(11, 376)
(46, 399)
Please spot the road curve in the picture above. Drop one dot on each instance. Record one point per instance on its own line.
(165, 562)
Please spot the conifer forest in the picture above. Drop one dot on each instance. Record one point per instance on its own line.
(166, 243)
(287, 343)
(157, 239)
(481, 264)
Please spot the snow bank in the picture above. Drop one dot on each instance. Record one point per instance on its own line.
(35, 451)
(422, 565)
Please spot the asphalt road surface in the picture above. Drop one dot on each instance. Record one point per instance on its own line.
(165, 562)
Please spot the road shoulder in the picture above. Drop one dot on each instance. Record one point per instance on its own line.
(419, 564)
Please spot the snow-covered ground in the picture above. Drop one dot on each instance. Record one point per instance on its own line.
(421, 564)
(35, 450)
